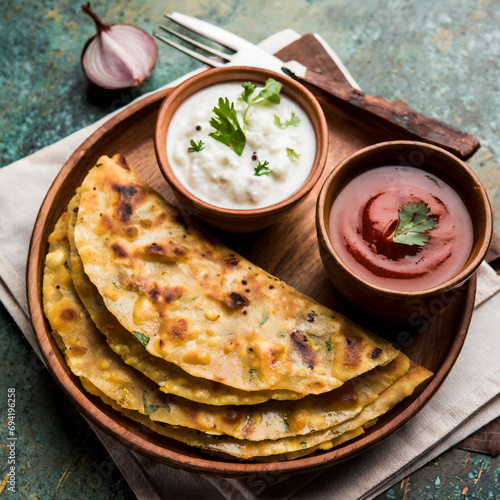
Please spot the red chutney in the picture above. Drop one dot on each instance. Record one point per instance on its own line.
(364, 217)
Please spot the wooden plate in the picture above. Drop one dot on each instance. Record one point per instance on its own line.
(287, 249)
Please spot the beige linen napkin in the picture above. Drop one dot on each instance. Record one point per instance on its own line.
(466, 401)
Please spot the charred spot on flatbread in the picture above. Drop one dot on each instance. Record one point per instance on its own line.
(180, 329)
(119, 251)
(69, 314)
(166, 251)
(352, 353)
(301, 343)
(235, 301)
(130, 197)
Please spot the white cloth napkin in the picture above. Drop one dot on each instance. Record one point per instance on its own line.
(467, 400)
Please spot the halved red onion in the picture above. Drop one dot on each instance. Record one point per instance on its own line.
(118, 56)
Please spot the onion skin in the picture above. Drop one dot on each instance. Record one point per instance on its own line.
(119, 56)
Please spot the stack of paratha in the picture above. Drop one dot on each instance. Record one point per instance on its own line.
(181, 334)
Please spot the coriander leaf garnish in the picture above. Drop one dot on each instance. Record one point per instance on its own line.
(262, 169)
(285, 425)
(413, 223)
(248, 89)
(148, 409)
(270, 92)
(264, 319)
(228, 130)
(293, 121)
(225, 121)
(143, 339)
(292, 154)
(196, 146)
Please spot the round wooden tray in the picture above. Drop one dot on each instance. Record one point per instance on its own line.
(288, 250)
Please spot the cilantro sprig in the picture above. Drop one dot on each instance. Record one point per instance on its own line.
(148, 408)
(262, 169)
(270, 92)
(227, 128)
(293, 121)
(196, 147)
(248, 90)
(143, 339)
(292, 154)
(414, 223)
(225, 122)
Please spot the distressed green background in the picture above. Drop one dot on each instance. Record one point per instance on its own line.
(442, 58)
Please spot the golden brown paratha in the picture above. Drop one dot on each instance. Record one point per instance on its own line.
(84, 347)
(292, 447)
(193, 302)
(170, 378)
(214, 445)
(89, 356)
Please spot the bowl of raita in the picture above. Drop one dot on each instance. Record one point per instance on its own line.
(241, 146)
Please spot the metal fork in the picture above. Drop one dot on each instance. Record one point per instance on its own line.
(223, 57)
(239, 50)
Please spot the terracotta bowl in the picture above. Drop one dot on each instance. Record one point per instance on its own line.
(384, 302)
(239, 220)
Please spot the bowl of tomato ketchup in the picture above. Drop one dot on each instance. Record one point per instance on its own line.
(400, 224)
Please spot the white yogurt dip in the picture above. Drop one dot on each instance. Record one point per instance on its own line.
(217, 174)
